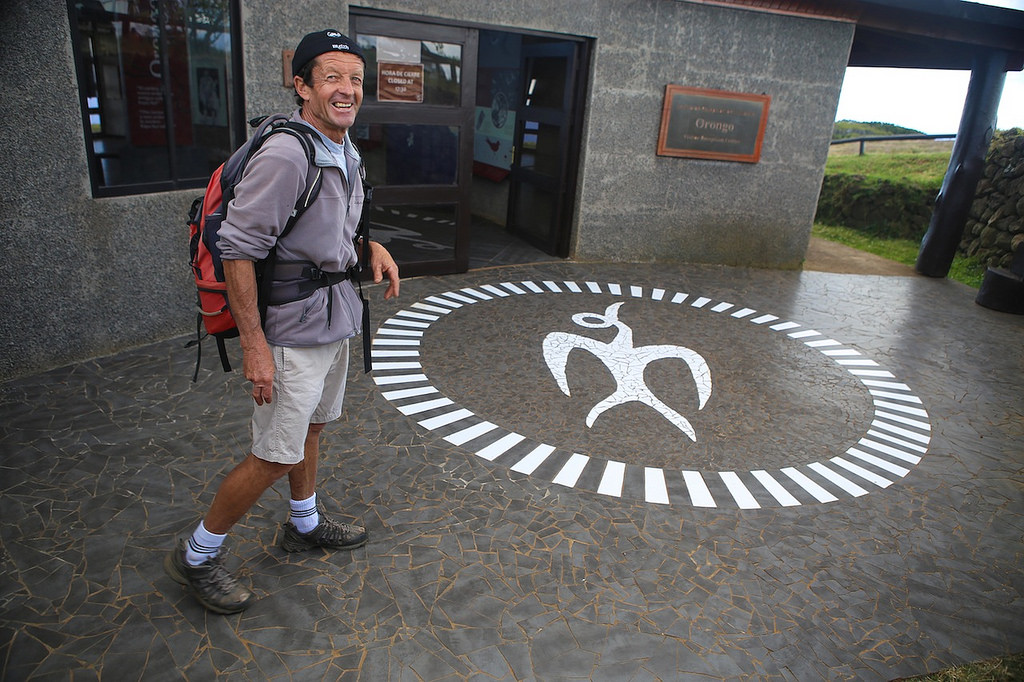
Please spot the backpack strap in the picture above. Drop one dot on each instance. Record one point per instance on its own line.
(303, 135)
(363, 239)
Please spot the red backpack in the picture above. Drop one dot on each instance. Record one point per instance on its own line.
(204, 221)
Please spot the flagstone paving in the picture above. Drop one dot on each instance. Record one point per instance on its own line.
(852, 505)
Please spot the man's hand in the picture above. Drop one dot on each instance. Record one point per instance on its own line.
(383, 265)
(258, 366)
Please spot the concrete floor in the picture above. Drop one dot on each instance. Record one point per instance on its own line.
(850, 506)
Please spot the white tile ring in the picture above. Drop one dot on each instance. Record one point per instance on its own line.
(898, 437)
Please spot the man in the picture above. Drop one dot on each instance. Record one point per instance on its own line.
(297, 360)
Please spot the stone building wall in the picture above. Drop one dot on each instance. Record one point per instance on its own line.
(995, 226)
(88, 276)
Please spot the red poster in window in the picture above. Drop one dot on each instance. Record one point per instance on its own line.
(144, 84)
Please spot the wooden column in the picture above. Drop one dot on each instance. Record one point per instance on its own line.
(977, 125)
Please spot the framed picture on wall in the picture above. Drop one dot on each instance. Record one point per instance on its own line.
(712, 124)
(209, 103)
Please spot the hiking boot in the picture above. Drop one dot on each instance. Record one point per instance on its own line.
(329, 534)
(210, 582)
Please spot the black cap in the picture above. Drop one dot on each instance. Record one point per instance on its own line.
(319, 42)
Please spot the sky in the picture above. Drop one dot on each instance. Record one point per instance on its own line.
(929, 100)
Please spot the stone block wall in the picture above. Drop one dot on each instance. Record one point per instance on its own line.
(995, 226)
(88, 276)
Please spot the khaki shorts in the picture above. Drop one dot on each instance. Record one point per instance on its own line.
(309, 388)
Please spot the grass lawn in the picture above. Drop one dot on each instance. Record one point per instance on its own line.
(1005, 669)
(923, 167)
(920, 161)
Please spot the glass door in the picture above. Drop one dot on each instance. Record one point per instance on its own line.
(415, 132)
(545, 164)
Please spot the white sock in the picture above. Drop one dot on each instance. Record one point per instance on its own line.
(305, 517)
(202, 545)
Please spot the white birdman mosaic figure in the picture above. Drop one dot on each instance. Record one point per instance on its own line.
(626, 364)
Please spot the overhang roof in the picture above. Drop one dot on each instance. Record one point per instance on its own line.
(931, 34)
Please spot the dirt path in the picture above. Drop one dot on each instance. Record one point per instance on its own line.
(826, 256)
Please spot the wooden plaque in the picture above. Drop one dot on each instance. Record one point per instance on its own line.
(712, 124)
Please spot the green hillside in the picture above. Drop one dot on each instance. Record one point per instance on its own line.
(847, 129)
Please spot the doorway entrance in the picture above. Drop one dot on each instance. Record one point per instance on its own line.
(471, 137)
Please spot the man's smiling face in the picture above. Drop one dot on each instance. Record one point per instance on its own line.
(333, 100)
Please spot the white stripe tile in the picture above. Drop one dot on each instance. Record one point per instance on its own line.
(700, 495)
(745, 312)
(532, 286)
(396, 365)
(906, 409)
(721, 307)
(381, 341)
(409, 323)
(418, 316)
(881, 373)
(465, 435)
(398, 379)
(552, 287)
(657, 294)
(527, 465)
(615, 289)
(387, 331)
(573, 287)
(426, 405)
(907, 398)
(434, 308)
(822, 343)
(445, 419)
(379, 353)
(739, 491)
(571, 471)
(409, 392)
(636, 292)
(701, 302)
(781, 495)
(783, 326)
(883, 464)
(898, 442)
(838, 479)
(906, 421)
(594, 287)
(500, 446)
(613, 478)
(456, 296)
(442, 302)
(655, 490)
(893, 385)
(764, 319)
(812, 488)
(512, 287)
(889, 450)
(906, 433)
(802, 334)
(478, 294)
(679, 297)
(495, 290)
(869, 476)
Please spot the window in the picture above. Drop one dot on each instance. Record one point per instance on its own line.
(158, 83)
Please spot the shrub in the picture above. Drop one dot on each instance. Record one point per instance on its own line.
(878, 206)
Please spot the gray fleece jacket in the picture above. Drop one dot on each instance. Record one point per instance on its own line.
(324, 235)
